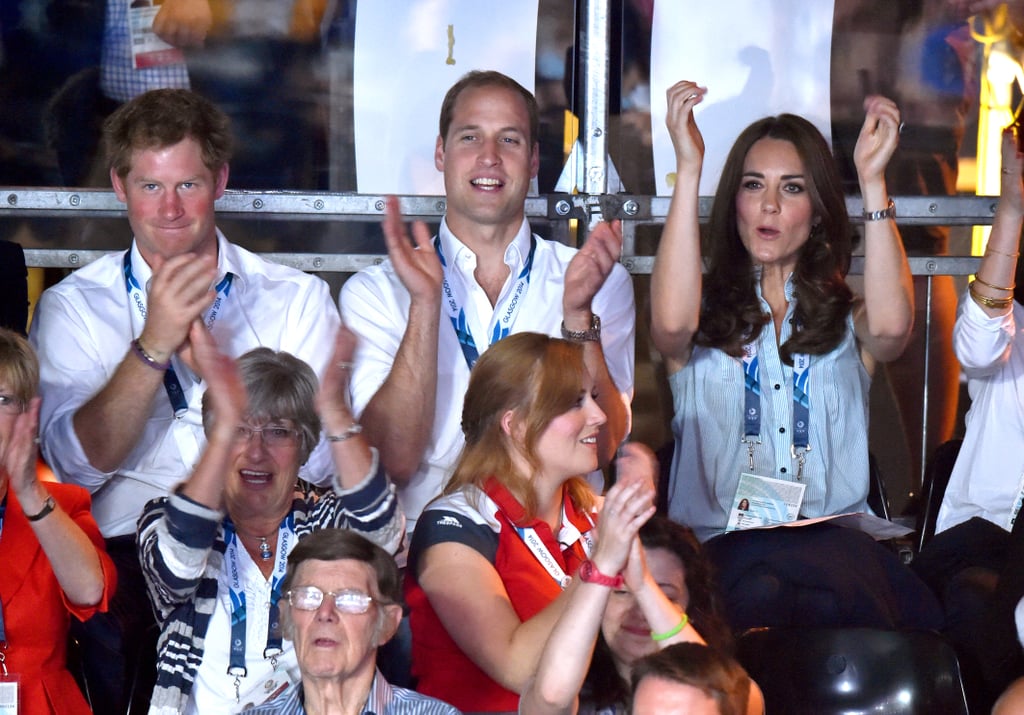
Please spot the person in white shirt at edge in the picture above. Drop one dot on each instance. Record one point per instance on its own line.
(486, 276)
(973, 561)
(121, 397)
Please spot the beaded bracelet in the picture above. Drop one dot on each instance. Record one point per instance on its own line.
(978, 279)
(997, 303)
(141, 354)
(657, 637)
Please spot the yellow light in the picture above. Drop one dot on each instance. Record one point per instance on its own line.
(995, 111)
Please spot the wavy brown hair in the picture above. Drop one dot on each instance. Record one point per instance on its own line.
(603, 686)
(731, 314)
(537, 377)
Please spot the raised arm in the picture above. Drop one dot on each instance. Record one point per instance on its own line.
(399, 418)
(993, 287)
(884, 319)
(676, 278)
(71, 553)
(352, 455)
(586, 274)
(229, 402)
(110, 424)
(569, 648)
(176, 533)
(470, 599)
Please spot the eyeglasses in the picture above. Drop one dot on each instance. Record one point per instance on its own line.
(11, 405)
(309, 598)
(272, 436)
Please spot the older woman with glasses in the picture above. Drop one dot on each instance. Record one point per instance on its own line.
(214, 552)
(52, 562)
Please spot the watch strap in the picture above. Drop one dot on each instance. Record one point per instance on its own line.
(48, 506)
(591, 334)
(888, 212)
(589, 573)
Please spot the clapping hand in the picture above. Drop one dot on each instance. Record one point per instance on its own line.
(627, 506)
(18, 460)
(332, 399)
(417, 266)
(224, 387)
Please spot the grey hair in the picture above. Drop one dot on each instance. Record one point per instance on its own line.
(280, 386)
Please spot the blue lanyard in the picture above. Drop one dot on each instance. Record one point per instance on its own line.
(508, 310)
(800, 444)
(285, 536)
(137, 295)
(274, 647)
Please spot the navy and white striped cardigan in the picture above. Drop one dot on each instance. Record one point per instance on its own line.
(181, 548)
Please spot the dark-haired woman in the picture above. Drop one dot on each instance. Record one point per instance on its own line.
(668, 597)
(770, 355)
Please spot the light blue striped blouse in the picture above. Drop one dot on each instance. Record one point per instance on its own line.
(708, 426)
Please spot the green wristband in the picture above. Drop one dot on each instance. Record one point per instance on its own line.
(657, 637)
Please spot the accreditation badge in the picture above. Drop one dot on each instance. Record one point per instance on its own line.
(148, 50)
(10, 694)
(762, 501)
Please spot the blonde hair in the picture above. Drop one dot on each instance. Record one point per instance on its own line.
(19, 366)
(538, 378)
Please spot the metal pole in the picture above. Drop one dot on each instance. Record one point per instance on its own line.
(594, 136)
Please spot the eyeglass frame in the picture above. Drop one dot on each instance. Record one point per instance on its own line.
(349, 592)
(246, 433)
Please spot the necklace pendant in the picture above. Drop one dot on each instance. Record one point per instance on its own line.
(265, 553)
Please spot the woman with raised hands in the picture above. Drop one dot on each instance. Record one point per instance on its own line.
(214, 552)
(499, 556)
(53, 566)
(770, 355)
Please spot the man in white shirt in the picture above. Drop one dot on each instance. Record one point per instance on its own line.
(424, 315)
(122, 412)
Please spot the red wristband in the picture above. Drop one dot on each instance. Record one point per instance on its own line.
(590, 574)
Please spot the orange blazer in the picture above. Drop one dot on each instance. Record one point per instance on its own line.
(36, 611)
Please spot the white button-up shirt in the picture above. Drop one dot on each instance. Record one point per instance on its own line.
(82, 330)
(989, 472)
(375, 305)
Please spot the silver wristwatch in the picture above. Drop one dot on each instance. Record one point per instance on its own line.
(591, 334)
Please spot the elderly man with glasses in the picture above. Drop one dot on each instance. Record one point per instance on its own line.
(343, 602)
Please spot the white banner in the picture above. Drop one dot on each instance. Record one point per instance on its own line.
(407, 54)
(756, 58)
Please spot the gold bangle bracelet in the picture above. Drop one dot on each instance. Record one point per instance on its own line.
(979, 279)
(1002, 253)
(988, 302)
